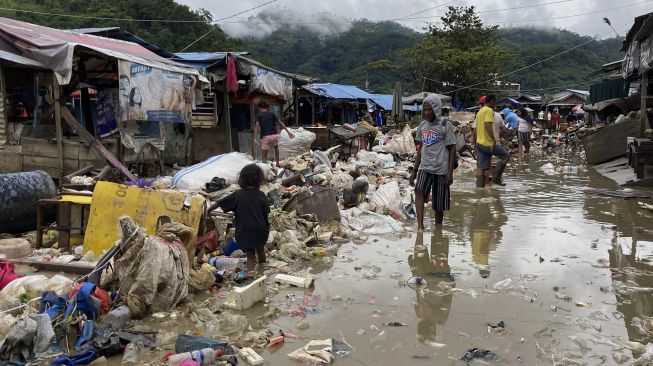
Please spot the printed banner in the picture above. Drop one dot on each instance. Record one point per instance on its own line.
(150, 94)
(106, 115)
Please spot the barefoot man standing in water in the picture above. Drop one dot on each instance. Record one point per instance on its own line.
(434, 162)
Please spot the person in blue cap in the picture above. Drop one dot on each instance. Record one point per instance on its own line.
(511, 120)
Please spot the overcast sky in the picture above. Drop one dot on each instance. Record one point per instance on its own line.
(330, 16)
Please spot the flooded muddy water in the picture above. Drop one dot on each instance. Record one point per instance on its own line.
(569, 274)
(569, 257)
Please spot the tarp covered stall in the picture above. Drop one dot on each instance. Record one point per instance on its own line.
(419, 98)
(59, 60)
(54, 48)
(338, 91)
(335, 103)
(383, 100)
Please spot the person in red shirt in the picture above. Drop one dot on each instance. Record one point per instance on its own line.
(555, 119)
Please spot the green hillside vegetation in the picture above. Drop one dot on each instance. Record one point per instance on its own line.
(530, 45)
(349, 58)
(170, 36)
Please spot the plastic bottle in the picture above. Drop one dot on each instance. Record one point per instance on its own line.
(227, 263)
(118, 317)
(318, 252)
(204, 356)
(130, 357)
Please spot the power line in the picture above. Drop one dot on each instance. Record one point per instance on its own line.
(529, 66)
(101, 18)
(225, 18)
(132, 19)
(505, 9)
(445, 84)
(546, 19)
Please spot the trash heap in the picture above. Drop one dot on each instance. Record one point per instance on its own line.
(317, 203)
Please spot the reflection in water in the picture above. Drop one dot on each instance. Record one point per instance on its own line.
(627, 264)
(488, 216)
(628, 275)
(431, 307)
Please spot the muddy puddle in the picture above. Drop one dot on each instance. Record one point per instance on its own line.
(569, 274)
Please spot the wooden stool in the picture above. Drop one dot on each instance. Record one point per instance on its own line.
(63, 220)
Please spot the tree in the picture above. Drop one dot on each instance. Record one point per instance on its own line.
(460, 52)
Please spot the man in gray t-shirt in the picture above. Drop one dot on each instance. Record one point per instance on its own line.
(435, 160)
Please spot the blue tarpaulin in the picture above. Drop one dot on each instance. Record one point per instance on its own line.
(383, 100)
(338, 91)
(506, 101)
(205, 60)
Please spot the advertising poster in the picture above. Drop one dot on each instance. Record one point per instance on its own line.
(150, 94)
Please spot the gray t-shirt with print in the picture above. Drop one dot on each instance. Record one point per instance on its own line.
(434, 139)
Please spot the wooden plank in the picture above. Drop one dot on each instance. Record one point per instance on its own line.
(642, 113)
(617, 170)
(76, 268)
(93, 142)
(46, 147)
(70, 165)
(3, 119)
(608, 142)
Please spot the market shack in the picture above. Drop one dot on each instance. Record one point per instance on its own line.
(237, 84)
(127, 98)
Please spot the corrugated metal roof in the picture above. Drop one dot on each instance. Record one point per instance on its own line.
(338, 91)
(383, 100)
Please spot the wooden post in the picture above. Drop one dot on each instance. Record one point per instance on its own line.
(227, 118)
(91, 141)
(87, 111)
(642, 111)
(3, 109)
(56, 93)
(252, 122)
(296, 106)
(312, 101)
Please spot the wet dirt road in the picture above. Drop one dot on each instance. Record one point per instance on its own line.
(568, 257)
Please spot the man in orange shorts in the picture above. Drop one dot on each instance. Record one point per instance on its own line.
(266, 125)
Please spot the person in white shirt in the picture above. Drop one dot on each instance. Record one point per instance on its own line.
(524, 132)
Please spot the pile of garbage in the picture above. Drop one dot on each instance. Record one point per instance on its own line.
(317, 203)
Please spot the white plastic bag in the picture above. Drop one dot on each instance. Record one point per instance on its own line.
(402, 144)
(226, 166)
(387, 196)
(340, 181)
(33, 286)
(299, 145)
(365, 156)
(369, 222)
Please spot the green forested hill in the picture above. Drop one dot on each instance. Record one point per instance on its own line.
(354, 57)
(369, 52)
(348, 58)
(170, 36)
(531, 45)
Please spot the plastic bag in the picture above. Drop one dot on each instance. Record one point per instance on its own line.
(340, 181)
(647, 357)
(503, 284)
(402, 144)
(369, 222)
(548, 169)
(33, 286)
(387, 196)
(226, 166)
(365, 156)
(299, 145)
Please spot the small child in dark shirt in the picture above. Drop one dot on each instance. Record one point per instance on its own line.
(251, 208)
